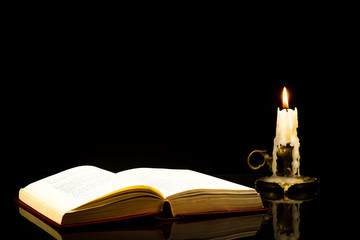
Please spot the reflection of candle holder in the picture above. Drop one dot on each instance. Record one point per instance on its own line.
(286, 219)
(285, 212)
(283, 178)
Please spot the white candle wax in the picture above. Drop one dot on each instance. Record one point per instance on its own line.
(287, 123)
(286, 133)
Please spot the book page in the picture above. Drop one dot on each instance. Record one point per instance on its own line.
(172, 181)
(55, 195)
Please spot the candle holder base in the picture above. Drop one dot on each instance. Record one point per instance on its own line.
(287, 185)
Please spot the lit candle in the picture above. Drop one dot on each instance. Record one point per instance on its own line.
(286, 133)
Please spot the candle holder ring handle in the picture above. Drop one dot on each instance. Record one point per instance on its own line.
(266, 156)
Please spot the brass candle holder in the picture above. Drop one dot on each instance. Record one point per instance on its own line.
(283, 179)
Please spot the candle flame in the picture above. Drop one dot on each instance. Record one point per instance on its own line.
(285, 97)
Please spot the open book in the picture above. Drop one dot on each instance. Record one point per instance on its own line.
(88, 194)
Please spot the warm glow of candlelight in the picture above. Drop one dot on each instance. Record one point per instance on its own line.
(285, 97)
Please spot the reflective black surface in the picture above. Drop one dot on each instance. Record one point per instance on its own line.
(285, 218)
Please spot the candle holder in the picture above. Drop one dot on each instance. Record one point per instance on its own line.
(284, 178)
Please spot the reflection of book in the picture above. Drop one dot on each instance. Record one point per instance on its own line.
(88, 194)
(232, 227)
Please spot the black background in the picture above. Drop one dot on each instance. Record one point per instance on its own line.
(209, 125)
(159, 95)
